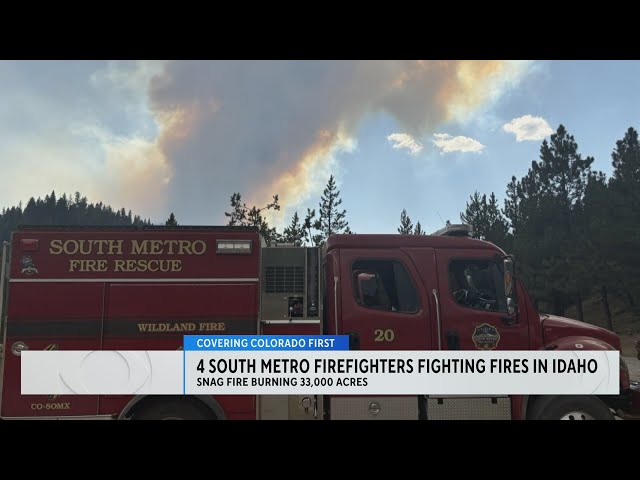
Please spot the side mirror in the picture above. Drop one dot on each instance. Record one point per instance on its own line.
(508, 285)
(508, 276)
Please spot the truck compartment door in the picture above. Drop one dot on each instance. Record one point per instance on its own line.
(49, 316)
(156, 316)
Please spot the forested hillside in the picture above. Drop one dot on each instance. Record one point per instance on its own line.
(64, 210)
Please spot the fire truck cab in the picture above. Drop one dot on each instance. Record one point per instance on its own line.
(143, 289)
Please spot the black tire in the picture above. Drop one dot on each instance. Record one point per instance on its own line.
(169, 408)
(571, 407)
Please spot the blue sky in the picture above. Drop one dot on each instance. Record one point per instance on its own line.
(595, 101)
(156, 137)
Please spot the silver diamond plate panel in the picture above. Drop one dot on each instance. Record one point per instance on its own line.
(469, 408)
(374, 408)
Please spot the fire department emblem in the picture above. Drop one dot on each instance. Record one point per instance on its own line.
(28, 267)
(486, 337)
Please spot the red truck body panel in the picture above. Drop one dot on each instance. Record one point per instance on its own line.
(124, 289)
(144, 289)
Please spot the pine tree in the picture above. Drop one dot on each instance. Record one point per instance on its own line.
(512, 204)
(238, 214)
(171, 222)
(546, 215)
(418, 230)
(475, 214)
(242, 215)
(486, 219)
(331, 219)
(626, 158)
(623, 228)
(592, 260)
(308, 226)
(295, 232)
(406, 226)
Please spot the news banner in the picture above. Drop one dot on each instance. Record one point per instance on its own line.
(321, 365)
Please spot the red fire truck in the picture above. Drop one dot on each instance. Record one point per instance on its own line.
(134, 288)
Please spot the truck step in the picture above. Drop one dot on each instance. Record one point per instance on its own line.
(628, 416)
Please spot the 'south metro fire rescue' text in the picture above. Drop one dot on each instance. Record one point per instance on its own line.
(134, 247)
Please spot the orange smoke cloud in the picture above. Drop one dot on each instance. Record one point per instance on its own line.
(303, 178)
(266, 128)
(445, 89)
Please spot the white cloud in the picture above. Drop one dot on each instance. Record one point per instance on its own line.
(56, 142)
(404, 140)
(528, 127)
(447, 143)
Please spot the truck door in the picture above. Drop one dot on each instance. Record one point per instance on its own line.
(384, 306)
(473, 311)
(473, 316)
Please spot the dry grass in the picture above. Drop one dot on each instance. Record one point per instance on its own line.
(628, 345)
(626, 323)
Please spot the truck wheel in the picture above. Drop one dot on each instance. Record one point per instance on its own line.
(173, 409)
(572, 407)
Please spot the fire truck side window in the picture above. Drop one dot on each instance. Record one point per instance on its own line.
(384, 285)
(477, 284)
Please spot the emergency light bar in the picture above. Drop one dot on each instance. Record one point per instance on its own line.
(457, 230)
(233, 246)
